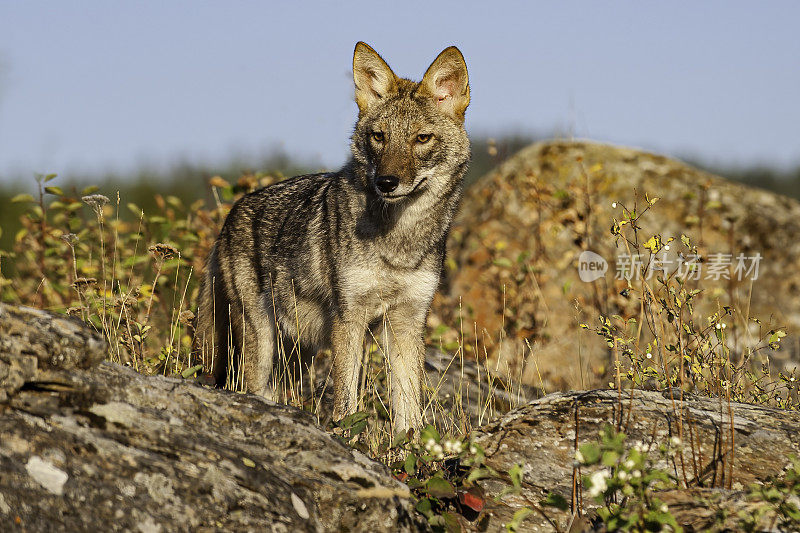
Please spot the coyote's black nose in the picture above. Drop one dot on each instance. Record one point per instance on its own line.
(386, 184)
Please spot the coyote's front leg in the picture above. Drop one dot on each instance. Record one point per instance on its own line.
(347, 340)
(406, 356)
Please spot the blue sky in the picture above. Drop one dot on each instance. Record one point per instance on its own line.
(96, 86)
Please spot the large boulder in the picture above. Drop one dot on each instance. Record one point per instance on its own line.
(513, 287)
(107, 448)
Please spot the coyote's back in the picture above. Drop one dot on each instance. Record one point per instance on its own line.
(314, 261)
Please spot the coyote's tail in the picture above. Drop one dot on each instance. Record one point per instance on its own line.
(212, 322)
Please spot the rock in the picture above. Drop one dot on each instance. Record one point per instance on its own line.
(513, 254)
(31, 338)
(55, 340)
(104, 448)
(543, 436)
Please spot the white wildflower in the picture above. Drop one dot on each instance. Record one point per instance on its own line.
(597, 483)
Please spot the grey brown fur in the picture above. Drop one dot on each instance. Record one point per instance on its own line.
(339, 252)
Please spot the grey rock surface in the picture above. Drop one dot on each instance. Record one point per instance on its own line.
(30, 338)
(725, 449)
(111, 450)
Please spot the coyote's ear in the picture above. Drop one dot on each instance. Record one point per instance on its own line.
(447, 81)
(373, 77)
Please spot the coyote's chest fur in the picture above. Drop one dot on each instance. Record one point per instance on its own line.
(319, 260)
(376, 289)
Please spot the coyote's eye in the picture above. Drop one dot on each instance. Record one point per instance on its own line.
(422, 138)
(378, 136)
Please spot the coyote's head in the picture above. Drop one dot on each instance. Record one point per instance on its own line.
(410, 136)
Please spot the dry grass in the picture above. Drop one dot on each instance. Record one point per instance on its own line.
(133, 276)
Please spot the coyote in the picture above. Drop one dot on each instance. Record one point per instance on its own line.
(322, 258)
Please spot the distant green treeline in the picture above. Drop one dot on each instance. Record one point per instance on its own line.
(190, 182)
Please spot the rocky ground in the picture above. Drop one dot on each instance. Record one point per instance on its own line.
(95, 446)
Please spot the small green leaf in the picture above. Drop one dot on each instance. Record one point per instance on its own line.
(424, 507)
(54, 190)
(556, 500)
(22, 198)
(135, 209)
(451, 524)
(590, 452)
(440, 330)
(410, 464)
(354, 421)
(438, 487)
(174, 201)
(358, 428)
(49, 177)
(189, 372)
(89, 190)
(429, 432)
(515, 472)
(516, 520)
(478, 473)
(610, 458)
(400, 439)
(502, 262)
